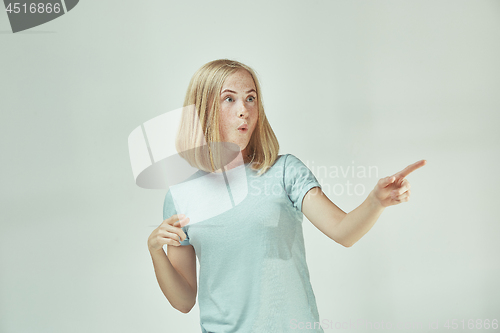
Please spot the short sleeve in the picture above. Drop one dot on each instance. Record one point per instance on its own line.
(169, 210)
(298, 180)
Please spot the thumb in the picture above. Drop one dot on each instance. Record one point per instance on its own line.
(388, 180)
(182, 222)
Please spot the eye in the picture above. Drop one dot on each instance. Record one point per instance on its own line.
(228, 98)
(251, 99)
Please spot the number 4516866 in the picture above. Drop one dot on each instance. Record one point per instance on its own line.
(33, 8)
(472, 324)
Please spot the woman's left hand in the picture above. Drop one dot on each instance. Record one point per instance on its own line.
(395, 189)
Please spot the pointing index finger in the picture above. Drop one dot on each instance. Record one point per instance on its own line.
(410, 168)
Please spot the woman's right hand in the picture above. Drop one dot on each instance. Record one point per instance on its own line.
(168, 232)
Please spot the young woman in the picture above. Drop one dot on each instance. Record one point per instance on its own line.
(247, 233)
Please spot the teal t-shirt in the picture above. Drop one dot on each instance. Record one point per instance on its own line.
(246, 231)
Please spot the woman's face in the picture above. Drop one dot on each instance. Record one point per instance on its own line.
(238, 106)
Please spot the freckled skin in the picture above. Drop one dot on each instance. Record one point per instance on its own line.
(238, 107)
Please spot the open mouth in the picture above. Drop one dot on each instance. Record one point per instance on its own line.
(243, 128)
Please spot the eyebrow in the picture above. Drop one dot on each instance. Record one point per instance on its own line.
(234, 92)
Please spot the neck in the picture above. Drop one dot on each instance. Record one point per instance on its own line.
(238, 161)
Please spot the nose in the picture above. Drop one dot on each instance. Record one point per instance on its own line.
(242, 111)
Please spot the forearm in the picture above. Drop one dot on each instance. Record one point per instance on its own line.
(173, 285)
(358, 222)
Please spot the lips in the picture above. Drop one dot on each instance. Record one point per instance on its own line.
(243, 127)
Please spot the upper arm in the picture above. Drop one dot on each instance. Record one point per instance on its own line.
(183, 258)
(322, 213)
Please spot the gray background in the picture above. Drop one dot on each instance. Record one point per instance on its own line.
(345, 83)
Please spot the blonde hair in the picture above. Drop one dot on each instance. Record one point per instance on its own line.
(197, 144)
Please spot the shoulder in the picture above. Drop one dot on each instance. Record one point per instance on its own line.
(286, 159)
(294, 168)
(292, 161)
